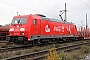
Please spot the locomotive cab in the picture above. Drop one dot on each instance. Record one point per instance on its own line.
(17, 31)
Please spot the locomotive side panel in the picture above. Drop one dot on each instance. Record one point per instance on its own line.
(52, 28)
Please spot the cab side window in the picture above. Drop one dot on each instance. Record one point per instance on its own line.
(34, 21)
(75, 27)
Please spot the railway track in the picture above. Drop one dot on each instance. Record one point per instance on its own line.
(13, 49)
(21, 48)
(41, 54)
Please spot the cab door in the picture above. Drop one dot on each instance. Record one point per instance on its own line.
(38, 27)
(35, 28)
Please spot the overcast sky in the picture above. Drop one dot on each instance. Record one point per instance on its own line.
(76, 9)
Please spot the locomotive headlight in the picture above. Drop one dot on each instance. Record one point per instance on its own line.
(11, 29)
(22, 29)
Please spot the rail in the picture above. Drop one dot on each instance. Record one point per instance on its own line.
(41, 54)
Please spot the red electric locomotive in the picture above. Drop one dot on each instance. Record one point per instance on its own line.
(37, 29)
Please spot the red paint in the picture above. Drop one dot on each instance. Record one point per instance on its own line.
(44, 28)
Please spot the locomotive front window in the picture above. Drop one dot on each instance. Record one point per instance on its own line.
(19, 20)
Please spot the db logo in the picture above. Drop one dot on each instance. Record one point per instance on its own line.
(47, 28)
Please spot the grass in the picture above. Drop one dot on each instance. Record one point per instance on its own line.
(36, 49)
(0, 56)
(18, 52)
(27, 51)
(75, 55)
(3, 45)
(62, 55)
(85, 49)
(6, 56)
